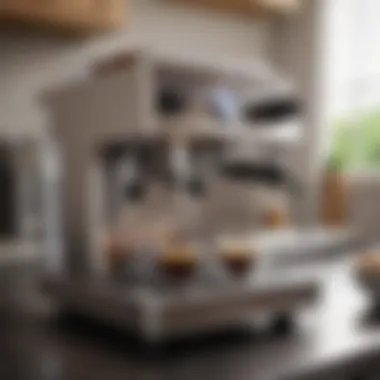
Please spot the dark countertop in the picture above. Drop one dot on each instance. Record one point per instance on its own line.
(337, 336)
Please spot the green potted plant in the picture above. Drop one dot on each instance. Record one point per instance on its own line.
(355, 148)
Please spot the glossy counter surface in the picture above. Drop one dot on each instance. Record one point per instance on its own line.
(335, 340)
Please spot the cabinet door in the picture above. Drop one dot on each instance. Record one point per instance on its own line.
(73, 14)
(106, 13)
(45, 9)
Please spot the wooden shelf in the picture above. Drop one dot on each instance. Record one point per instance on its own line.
(80, 16)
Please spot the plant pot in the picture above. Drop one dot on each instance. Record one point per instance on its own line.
(334, 199)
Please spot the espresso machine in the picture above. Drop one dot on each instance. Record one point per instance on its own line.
(136, 246)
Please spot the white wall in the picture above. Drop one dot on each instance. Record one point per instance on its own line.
(354, 87)
(299, 49)
(30, 63)
(354, 57)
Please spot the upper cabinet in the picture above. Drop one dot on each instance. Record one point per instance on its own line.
(72, 15)
(249, 7)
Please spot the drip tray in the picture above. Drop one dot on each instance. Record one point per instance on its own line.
(156, 308)
(160, 312)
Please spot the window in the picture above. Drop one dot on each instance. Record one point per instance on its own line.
(354, 64)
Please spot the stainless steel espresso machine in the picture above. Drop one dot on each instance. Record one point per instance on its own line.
(142, 160)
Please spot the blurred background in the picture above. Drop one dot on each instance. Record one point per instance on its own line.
(74, 72)
(320, 47)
